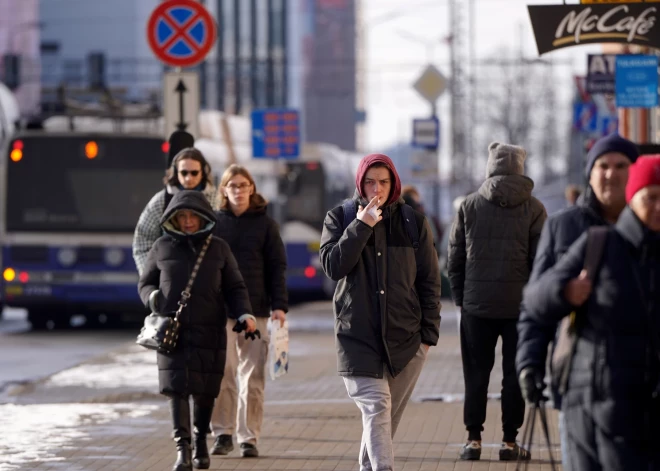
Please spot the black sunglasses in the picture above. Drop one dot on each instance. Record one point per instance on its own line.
(184, 173)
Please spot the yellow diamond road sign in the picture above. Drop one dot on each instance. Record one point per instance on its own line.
(431, 84)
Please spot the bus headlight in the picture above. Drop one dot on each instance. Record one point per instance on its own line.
(67, 256)
(114, 257)
(9, 274)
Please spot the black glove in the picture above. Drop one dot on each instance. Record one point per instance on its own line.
(153, 300)
(532, 385)
(241, 326)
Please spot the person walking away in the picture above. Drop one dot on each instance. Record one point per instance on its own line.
(195, 367)
(387, 301)
(255, 241)
(492, 245)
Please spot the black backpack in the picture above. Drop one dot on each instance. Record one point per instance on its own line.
(409, 222)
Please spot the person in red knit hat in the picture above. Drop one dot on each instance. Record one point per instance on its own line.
(612, 401)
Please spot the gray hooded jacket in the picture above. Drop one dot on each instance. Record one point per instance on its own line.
(494, 236)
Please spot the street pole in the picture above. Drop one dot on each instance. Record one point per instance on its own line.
(430, 46)
(221, 56)
(470, 157)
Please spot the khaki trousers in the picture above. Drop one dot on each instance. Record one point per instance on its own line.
(240, 405)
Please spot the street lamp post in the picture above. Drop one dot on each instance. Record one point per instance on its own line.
(430, 46)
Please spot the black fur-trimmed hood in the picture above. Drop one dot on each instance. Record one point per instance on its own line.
(190, 200)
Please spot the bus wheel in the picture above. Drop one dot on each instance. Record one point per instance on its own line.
(40, 320)
(48, 319)
(100, 320)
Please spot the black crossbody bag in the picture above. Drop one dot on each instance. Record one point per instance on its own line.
(160, 332)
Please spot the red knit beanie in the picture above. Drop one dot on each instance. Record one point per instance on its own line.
(644, 172)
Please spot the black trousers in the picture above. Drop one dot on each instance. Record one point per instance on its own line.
(180, 411)
(478, 341)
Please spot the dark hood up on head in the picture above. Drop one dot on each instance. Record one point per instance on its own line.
(505, 159)
(368, 162)
(507, 190)
(191, 200)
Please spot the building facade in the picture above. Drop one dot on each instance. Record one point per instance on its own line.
(269, 53)
(19, 38)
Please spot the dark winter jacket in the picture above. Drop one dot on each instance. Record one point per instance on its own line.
(387, 300)
(615, 368)
(559, 233)
(255, 241)
(492, 245)
(198, 362)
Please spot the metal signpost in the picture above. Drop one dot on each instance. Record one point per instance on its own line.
(431, 84)
(181, 33)
(181, 102)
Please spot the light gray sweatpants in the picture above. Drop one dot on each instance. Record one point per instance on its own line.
(382, 402)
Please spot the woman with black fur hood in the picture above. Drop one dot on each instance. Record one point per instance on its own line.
(196, 366)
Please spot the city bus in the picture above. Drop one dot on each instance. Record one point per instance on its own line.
(69, 203)
(300, 192)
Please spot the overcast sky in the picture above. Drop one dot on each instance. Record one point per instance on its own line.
(394, 61)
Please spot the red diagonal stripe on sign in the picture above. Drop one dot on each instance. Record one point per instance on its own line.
(180, 32)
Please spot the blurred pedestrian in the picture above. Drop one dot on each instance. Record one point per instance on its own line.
(491, 248)
(412, 198)
(255, 241)
(572, 193)
(601, 204)
(196, 365)
(189, 171)
(611, 404)
(387, 301)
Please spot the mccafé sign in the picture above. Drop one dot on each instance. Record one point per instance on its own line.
(558, 26)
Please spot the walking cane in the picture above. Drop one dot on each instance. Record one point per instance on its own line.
(528, 434)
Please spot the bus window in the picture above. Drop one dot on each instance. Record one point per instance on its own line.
(58, 187)
(305, 189)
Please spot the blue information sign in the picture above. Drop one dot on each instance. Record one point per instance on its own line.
(636, 82)
(585, 117)
(275, 133)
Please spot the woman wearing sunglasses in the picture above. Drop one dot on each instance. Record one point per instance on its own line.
(189, 171)
(255, 241)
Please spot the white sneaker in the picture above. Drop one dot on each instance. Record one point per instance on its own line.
(471, 451)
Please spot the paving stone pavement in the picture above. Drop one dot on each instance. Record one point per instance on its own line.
(105, 415)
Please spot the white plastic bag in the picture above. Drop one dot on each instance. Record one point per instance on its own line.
(278, 349)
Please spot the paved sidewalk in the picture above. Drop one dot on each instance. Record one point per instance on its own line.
(105, 415)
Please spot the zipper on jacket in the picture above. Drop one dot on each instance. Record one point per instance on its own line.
(382, 305)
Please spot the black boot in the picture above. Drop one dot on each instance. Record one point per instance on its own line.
(180, 409)
(183, 457)
(201, 420)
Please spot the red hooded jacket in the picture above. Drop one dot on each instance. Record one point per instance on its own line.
(369, 161)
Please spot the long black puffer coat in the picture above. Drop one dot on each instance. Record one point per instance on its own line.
(198, 362)
(255, 241)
